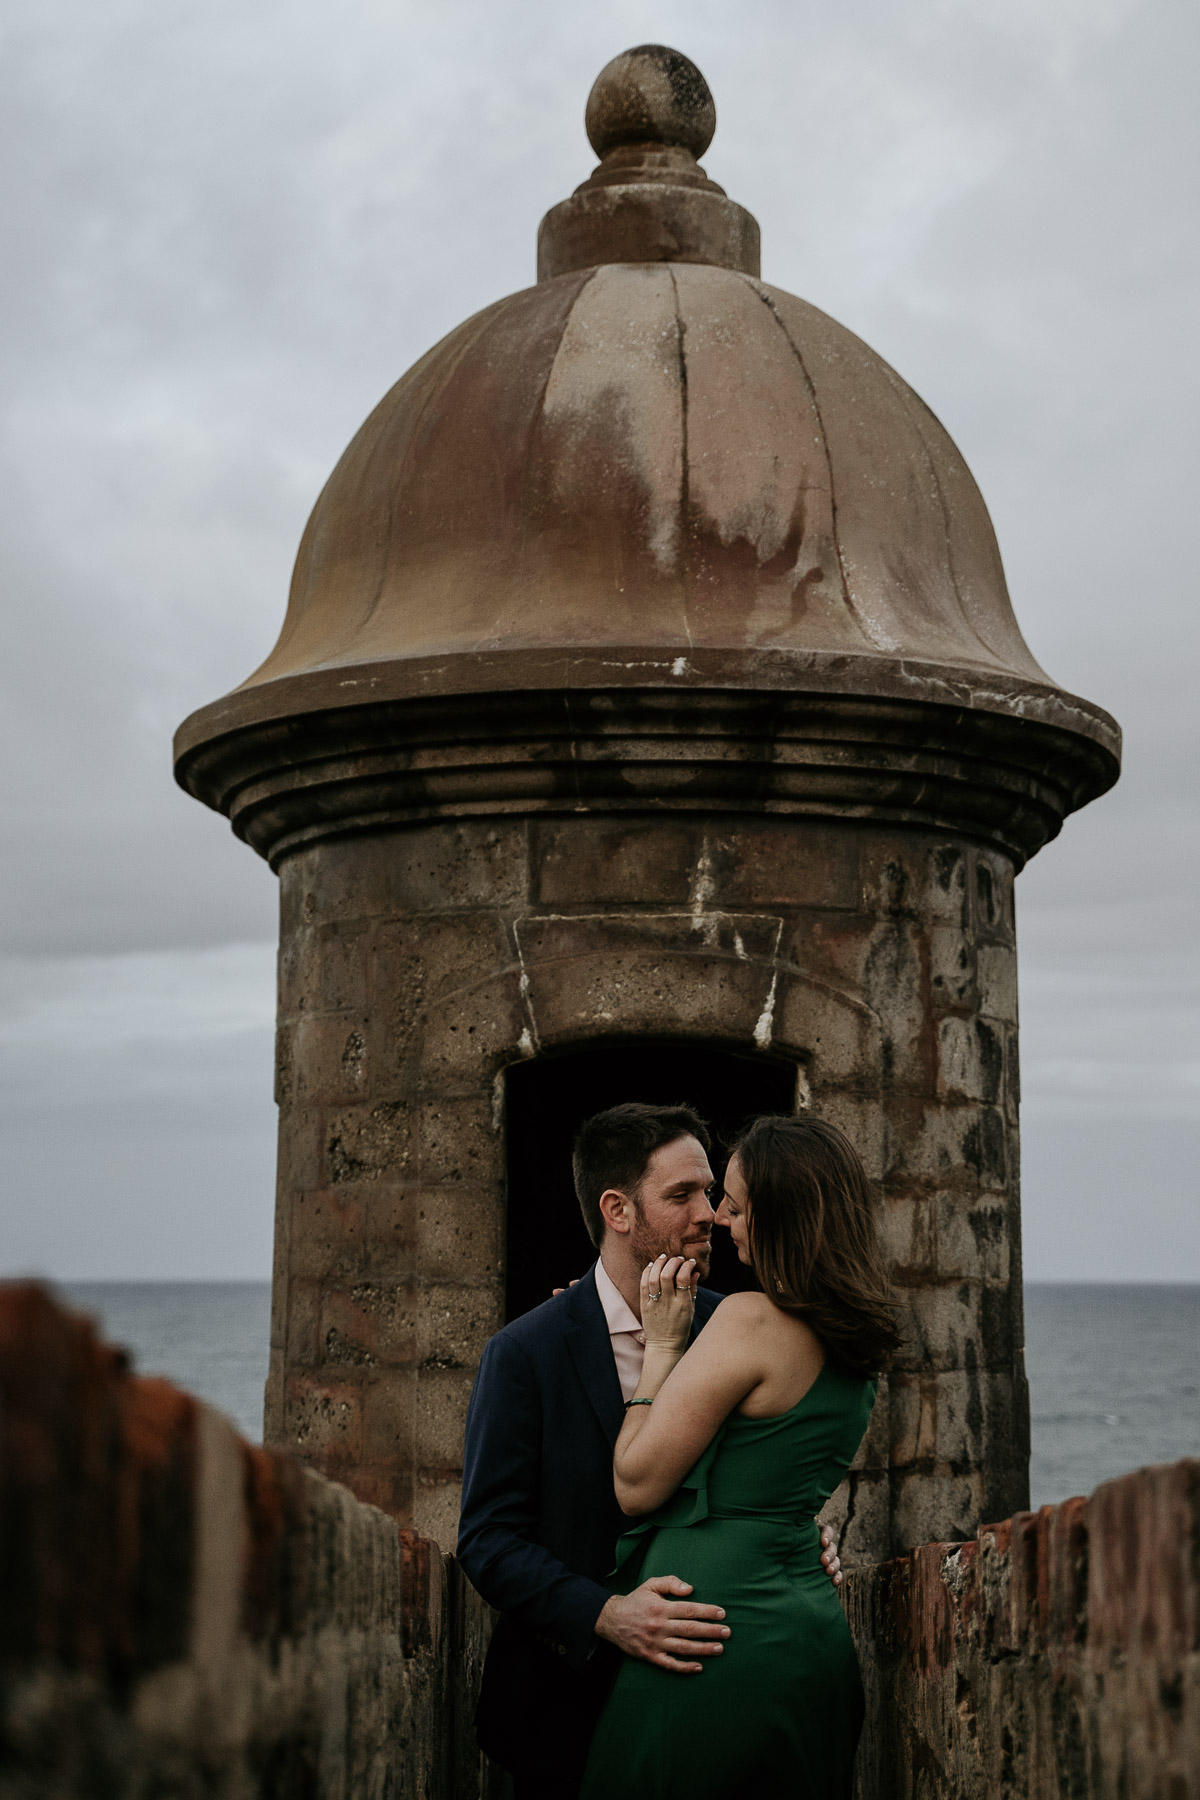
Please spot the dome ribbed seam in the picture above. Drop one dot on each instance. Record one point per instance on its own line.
(903, 393)
(760, 289)
(685, 494)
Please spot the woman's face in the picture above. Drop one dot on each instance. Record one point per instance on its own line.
(734, 1210)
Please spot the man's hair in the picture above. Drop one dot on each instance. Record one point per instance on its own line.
(613, 1150)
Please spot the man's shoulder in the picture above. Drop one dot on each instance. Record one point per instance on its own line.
(533, 1330)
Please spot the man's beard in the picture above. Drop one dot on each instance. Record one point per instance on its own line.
(648, 1244)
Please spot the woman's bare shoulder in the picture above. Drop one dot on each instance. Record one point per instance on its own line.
(747, 1312)
(739, 1311)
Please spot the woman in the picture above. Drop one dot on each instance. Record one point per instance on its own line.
(738, 1444)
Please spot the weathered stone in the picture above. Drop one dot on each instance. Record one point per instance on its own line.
(327, 1061)
(300, 1161)
(938, 1323)
(769, 864)
(188, 1615)
(441, 1411)
(860, 1515)
(830, 946)
(997, 978)
(861, 1117)
(458, 1140)
(906, 1231)
(337, 955)
(322, 1418)
(973, 1238)
(303, 1328)
(895, 985)
(328, 1233)
(993, 897)
(921, 1495)
(952, 965)
(453, 1323)
(839, 1034)
(435, 1507)
(970, 1059)
(371, 1325)
(905, 877)
(965, 1146)
(389, 1413)
(1050, 1656)
(466, 1036)
(459, 1235)
(618, 861)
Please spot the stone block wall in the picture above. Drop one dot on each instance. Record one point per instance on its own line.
(1053, 1657)
(183, 1614)
(416, 966)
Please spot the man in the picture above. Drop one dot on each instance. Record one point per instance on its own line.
(539, 1517)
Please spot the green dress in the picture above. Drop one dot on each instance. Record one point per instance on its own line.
(779, 1711)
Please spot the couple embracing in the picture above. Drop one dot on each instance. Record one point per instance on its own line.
(643, 1466)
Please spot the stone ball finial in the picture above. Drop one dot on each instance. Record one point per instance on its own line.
(653, 95)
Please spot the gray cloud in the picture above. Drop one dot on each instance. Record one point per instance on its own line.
(229, 230)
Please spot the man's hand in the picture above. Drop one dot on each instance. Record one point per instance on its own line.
(658, 1624)
(830, 1559)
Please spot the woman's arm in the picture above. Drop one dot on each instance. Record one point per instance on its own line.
(692, 1391)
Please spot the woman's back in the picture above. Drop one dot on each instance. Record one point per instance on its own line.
(788, 1464)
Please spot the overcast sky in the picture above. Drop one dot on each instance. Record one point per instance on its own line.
(228, 229)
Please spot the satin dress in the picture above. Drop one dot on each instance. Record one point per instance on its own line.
(779, 1712)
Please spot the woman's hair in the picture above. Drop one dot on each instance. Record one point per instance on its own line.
(812, 1237)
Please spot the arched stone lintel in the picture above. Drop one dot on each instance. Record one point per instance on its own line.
(626, 984)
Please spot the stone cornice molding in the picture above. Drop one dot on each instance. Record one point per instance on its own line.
(400, 743)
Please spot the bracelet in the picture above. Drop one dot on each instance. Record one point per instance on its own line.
(630, 1403)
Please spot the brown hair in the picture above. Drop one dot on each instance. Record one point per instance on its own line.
(812, 1237)
(613, 1150)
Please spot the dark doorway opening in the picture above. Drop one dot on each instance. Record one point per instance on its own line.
(549, 1098)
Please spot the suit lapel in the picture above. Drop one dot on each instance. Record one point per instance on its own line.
(592, 1353)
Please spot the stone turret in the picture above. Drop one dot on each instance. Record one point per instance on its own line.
(649, 718)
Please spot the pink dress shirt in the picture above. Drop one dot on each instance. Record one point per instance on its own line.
(625, 1332)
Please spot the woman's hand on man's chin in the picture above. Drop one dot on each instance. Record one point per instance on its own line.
(669, 1286)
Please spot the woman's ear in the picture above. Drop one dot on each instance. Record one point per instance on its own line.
(616, 1209)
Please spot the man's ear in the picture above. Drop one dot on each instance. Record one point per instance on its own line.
(616, 1209)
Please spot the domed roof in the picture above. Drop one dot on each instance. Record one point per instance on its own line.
(650, 471)
(661, 458)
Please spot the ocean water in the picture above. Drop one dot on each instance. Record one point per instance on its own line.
(1114, 1381)
(1114, 1371)
(210, 1337)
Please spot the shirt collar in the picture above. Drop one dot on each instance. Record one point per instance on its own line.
(618, 1313)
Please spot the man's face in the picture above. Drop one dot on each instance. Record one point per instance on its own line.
(672, 1212)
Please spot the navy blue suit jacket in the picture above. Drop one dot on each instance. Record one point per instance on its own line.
(540, 1522)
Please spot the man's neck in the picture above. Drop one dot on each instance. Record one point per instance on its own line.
(624, 1276)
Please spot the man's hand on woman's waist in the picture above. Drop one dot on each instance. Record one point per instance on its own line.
(660, 1625)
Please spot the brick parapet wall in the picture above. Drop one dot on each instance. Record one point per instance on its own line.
(183, 1613)
(1054, 1657)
